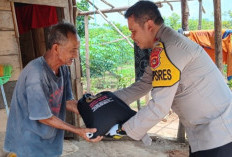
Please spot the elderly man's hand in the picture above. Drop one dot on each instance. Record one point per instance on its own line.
(85, 132)
(71, 105)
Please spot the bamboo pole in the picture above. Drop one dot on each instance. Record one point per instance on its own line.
(95, 6)
(107, 3)
(114, 41)
(112, 24)
(83, 13)
(113, 9)
(200, 14)
(218, 34)
(87, 53)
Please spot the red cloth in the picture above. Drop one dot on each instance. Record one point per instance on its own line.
(35, 16)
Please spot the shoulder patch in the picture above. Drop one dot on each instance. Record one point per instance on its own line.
(165, 73)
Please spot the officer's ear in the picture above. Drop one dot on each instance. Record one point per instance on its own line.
(150, 25)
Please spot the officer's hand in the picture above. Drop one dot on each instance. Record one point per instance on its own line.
(116, 132)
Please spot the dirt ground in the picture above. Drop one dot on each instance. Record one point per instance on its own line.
(164, 143)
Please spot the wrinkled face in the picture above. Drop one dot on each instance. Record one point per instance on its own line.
(142, 36)
(68, 50)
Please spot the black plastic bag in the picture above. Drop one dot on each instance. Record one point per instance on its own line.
(103, 111)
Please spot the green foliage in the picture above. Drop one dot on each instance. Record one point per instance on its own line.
(230, 13)
(205, 24)
(104, 56)
(173, 21)
(230, 83)
(83, 5)
(227, 24)
(193, 24)
(125, 75)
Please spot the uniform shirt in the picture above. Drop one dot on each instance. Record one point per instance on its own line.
(39, 94)
(201, 98)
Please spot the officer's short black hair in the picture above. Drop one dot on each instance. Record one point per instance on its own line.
(59, 33)
(143, 11)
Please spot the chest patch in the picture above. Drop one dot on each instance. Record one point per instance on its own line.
(165, 73)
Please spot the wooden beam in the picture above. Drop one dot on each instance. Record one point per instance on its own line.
(87, 53)
(103, 11)
(55, 3)
(218, 34)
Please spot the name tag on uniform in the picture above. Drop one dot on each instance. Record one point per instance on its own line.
(165, 73)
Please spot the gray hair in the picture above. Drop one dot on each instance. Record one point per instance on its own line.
(59, 33)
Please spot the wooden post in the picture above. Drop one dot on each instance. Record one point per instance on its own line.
(74, 11)
(185, 15)
(16, 33)
(87, 53)
(218, 34)
(200, 15)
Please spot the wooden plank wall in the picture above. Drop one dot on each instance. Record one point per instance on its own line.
(9, 52)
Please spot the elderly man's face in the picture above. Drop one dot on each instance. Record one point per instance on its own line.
(68, 50)
(142, 36)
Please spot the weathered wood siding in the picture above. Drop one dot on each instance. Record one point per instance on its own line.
(9, 51)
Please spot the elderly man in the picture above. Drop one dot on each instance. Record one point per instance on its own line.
(42, 94)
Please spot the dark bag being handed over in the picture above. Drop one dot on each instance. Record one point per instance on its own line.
(103, 111)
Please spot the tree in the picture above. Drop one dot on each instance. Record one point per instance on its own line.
(83, 5)
(173, 21)
(104, 56)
